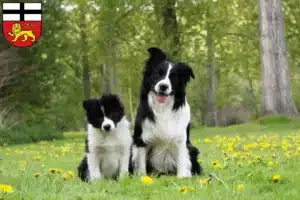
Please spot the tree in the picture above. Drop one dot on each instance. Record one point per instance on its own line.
(276, 91)
(211, 70)
(166, 14)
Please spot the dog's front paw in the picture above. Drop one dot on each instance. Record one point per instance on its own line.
(95, 176)
(184, 174)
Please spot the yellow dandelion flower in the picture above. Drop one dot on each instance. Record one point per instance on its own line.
(270, 163)
(36, 175)
(70, 173)
(276, 178)
(64, 150)
(207, 140)
(218, 166)
(55, 170)
(204, 181)
(240, 187)
(146, 180)
(184, 190)
(214, 162)
(37, 157)
(250, 162)
(66, 176)
(6, 188)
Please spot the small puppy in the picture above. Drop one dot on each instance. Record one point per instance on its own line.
(162, 126)
(108, 141)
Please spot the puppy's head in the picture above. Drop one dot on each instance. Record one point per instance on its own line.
(104, 113)
(166, 78)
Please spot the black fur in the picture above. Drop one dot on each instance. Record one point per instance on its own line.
(113, 109)
(82, 170)
(112, 106)
(155, 70)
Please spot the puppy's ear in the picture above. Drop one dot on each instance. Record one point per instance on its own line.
(185, 71)
(90, 104)
(86, 104)
(156, 54)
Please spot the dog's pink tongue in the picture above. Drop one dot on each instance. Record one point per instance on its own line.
(161, 99)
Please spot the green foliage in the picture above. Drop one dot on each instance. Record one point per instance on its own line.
(30, 131)
(275, 120)
(118, 34)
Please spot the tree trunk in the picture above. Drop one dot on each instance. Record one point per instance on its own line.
(276, 91)
(85, 61)
(166, 15)
(212, 78)
(104, 86)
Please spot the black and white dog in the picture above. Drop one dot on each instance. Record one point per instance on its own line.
(161, 133)
(108, 141)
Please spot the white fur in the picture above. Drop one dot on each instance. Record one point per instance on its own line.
(166, 137)
(109, 152)
(166, 81)
(109, 122)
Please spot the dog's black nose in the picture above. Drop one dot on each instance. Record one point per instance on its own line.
(106, 127)
(163, 87)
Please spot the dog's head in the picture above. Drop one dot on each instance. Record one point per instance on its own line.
(165, 78)
(104, 113)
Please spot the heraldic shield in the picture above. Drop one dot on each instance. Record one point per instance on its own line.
(21, 23)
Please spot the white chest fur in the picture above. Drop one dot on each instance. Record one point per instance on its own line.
(166, 134)
(109, 151)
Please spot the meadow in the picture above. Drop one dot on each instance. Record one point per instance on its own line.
(258, 160)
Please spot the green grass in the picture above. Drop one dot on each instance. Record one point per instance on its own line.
(255, 177)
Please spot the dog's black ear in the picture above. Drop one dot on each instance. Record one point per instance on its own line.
(112, 100)
(156, 54)
(185, 71)
(89, 104)
(86, 104)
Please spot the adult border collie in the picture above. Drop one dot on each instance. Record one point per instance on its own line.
(161, 132)
(108, 142)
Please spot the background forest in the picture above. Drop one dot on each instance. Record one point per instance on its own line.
(89, 47)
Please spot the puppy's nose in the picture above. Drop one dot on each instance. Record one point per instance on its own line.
(106, 127)
(163, 87)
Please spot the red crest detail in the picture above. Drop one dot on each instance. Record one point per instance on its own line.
(21, 33)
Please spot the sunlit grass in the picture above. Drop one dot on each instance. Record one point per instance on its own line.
(251, 161)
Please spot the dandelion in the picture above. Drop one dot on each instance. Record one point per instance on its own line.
(6, 188)
(64, 150)
(207, 140)
(218, 166)
(214, 162)
(55, 170)
(240, 187)
(184, 190)
(270, 164)
(204, 181)
(37, 157)
(70, 173)
(66, 176)
(36, 175)
(146, 180)
(276, 178)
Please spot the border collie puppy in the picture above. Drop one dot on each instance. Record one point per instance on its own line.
(161, 132)
(108, 141)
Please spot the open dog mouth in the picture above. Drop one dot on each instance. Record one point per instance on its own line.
(161, 97)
